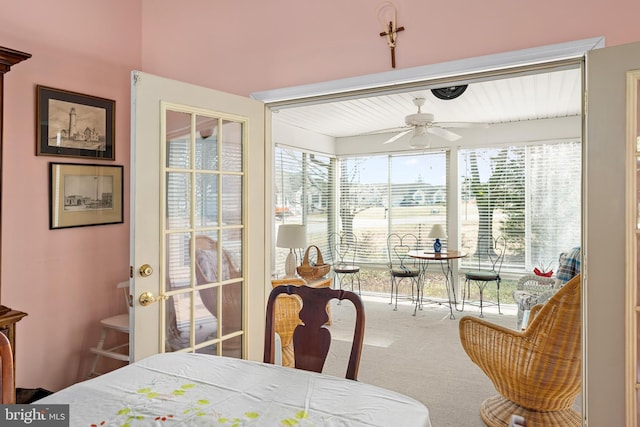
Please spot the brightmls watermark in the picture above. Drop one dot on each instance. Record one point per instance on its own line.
(34, 415)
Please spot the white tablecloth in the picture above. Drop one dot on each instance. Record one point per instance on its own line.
(185, 389)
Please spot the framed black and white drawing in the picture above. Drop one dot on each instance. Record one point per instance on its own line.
(82, 195)
(74, 125)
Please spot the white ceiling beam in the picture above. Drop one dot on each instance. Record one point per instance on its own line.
(476, 65)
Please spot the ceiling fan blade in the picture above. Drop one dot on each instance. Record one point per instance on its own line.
(397, 136)
(461, 124)
(443, 133)
(388, 130)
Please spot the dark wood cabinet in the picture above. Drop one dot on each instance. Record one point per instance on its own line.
(8, 58)
(8, 327)
(8, 317)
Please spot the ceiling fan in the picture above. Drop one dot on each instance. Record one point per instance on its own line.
(422, 124)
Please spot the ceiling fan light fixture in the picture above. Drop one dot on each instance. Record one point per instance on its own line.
(420, 138)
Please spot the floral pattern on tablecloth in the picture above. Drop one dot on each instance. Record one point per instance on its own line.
(129, 416)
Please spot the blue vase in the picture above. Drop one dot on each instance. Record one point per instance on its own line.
(437, 246)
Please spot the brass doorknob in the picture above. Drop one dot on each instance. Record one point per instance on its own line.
(145, 270)
(147, 298)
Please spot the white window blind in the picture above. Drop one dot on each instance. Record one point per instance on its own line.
(304, 194)
(530, 194)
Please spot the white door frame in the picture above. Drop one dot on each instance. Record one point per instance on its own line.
(398, 80)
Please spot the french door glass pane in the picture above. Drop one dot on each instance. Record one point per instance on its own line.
(231, 146)
(206, 200)
(231, 313)
(206, 143)
(178, 126)
(204, 260)
(178, 200)
(232, 199)
(178, 261)
(232, 250)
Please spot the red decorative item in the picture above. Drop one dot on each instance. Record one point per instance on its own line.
(542, 273)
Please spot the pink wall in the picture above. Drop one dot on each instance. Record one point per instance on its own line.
(65, 279)
(278, 43)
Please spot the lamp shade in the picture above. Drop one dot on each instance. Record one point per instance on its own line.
(292, 236)
(437, 232)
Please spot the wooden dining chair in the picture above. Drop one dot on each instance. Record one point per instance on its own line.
(311, 339)
(8, 382)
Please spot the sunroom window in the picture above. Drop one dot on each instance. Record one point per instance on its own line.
(528, 193)
(386, 194)
(304, 194)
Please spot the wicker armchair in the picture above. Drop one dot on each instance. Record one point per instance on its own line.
(537, 371)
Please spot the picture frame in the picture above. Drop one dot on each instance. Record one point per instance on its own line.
(85, 194)
(72, 124)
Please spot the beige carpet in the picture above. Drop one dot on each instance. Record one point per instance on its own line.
(418, 356)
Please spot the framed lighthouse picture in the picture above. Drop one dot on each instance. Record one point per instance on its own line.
(72, 124)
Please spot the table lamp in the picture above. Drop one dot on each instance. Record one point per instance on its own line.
(437, 232)
(291, 236)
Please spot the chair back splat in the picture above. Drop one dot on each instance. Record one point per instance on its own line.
(287, 317)
(311, 339)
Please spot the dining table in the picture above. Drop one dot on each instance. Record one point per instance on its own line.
(445, 258)
(194, 389)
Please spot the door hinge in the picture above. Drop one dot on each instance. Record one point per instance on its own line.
(131, 272)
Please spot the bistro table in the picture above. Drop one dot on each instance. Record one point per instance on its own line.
(445, 258)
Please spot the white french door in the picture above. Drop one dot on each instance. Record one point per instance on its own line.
(609, 263)
(199, 269)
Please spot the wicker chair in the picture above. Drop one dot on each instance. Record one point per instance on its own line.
(531, 290)
(537, 371)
